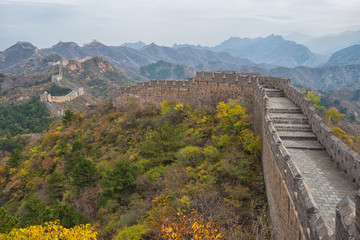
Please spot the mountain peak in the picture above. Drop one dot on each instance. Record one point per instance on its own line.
(22, 45)
(94, 44)
(276, 37)
(61, 44)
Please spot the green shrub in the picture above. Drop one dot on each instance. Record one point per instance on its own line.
(190, 155)
(134, 232)
(117, 181)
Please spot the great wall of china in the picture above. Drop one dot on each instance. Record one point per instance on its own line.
(311, 177)
(48, 100)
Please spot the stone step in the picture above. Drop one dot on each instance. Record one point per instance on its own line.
(285, 110)
(293, 127)
(296, 135)
(273, 90)
(275, 94)
(303, 145)
(290, 120)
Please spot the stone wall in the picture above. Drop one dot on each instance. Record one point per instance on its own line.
(294, 213)
(48, 100)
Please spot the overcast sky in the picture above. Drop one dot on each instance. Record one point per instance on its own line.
(165, 22)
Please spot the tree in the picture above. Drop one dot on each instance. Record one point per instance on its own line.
(83, 174)
(161, 145)
(34, 212)
(7, 221)
(190, 155)
(333, 115)
(315, 98)
(14, 159)
(64, 147)
(232, 116)
(134, 232)
(69, 115)
(55, 184)
(51, 230)
(67, 215)
(117, 181)
(191, 226)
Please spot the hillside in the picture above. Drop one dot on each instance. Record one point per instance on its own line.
(349, 55)
(324, 78)
(96, 75)
(327, 77)
(17, 55)
(347, 100)
(142, 172)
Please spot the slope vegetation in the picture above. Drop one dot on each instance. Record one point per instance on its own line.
(143, 174)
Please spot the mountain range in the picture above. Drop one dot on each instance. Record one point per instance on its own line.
(272, 55)
(272, 50)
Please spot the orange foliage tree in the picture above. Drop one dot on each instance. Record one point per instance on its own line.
(184, 227)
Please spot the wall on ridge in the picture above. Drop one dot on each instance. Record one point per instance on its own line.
(206, 89)
(294, 214)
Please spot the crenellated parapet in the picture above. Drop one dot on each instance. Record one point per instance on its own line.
(294, 211)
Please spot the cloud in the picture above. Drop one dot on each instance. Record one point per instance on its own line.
(208, 22)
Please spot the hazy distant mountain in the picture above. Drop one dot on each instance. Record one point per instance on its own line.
(163, 62)
(67, 49)
(324, 78)
(298, 37)
(274, 50)
(189, 45)
(165, 70)
(17, 55)
(200, 59)
(346, 56)
(136, 45)
(331, 43)
(152, 53)
(130, 60)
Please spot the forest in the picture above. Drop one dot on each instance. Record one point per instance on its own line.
(172, 172)
(23, 118)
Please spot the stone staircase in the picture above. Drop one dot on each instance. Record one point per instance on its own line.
(326, 182)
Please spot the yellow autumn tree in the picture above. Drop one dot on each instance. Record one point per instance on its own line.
(333, 115)
(315, 98)
(192, 226)
(51, 230)
(232, 116)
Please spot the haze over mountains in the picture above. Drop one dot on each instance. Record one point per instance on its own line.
(272, 50)
(328, 44)
(272, 55)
